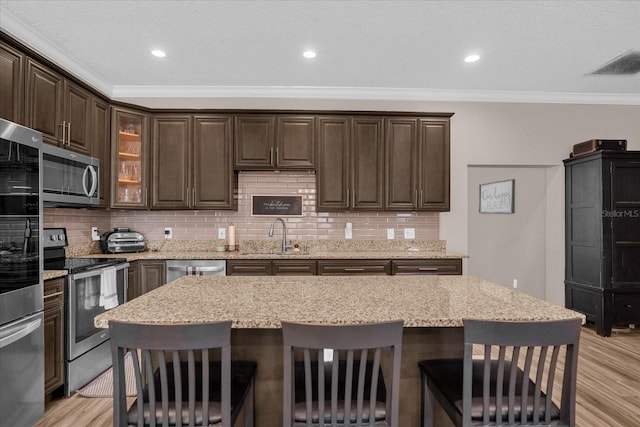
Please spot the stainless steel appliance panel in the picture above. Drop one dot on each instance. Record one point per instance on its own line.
(87, 351)
(21, 291)
(82, 306)
(178, 268)
(69, 179)
(22, 371)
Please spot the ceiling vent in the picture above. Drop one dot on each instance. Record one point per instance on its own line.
(624, 65)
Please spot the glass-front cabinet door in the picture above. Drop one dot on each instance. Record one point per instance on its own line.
(129, 173)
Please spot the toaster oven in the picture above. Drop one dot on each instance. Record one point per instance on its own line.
(121, 240)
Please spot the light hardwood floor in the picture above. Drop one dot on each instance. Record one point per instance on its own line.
(608, 389)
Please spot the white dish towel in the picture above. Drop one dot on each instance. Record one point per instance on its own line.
(108, 288)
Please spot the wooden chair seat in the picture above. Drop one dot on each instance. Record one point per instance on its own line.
(512, 381)
(242, 373)
(446, 376)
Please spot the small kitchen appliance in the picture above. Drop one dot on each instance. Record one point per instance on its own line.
(121, 240)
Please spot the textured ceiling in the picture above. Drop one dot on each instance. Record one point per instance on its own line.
(532, 51)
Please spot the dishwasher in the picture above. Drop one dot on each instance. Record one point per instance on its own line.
(177, 268)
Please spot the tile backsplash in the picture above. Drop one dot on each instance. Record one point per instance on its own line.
(203, 225)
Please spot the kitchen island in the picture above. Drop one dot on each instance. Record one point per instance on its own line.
(432, 308)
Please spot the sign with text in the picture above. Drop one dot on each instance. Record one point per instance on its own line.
(276, 205)
(497, 197)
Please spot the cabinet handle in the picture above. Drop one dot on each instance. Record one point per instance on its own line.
(64, 131)
(427, 268)
(348, 198)
(193, 196)
(146, 196)
(276, 155)
(188, 196)
(629, 306)
(271, 156)
(69, 134)
(354, 270)
(53, 295)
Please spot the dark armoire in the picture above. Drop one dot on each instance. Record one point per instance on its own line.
(602, 238)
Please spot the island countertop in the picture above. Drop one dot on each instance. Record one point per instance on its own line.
(261, 302)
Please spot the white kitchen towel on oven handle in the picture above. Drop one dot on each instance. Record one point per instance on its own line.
(108, 288)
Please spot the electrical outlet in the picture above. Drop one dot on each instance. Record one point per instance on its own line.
(222, 233)
(515, 283)
(348, 226)
(390, 233)
(94, 233)
(409, 233)
(168, 233)
(348, 233)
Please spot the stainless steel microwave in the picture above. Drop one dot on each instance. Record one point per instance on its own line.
(68, 178)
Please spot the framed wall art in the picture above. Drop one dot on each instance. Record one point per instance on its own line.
(276, 205)
(497, 197)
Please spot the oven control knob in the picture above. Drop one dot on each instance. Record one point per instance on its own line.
(53, 237)
(60, 236)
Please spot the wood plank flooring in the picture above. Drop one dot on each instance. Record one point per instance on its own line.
(608, 389)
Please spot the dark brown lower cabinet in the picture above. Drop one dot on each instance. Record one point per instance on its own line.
(427, 266)
(151, 274)
(145, 276)
(335, 267)
(133, 284)
(53, 335)
(281, 267)
(353, 266)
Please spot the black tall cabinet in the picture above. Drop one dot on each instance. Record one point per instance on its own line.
(602, 226)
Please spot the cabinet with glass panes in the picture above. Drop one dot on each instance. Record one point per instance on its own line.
(129, 159)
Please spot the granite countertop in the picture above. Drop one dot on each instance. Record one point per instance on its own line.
(53, 274)
(262, 302)
(289, 255)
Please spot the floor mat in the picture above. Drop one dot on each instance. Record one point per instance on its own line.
(102, 386)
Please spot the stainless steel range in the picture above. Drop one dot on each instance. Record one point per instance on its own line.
(93, 286)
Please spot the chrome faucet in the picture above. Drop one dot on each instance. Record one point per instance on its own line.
(284, 233)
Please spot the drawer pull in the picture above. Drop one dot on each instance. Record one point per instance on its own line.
(427, 268)
(53, 295)
(354, 270)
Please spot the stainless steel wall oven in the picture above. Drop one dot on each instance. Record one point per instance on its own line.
(21, 292)
(87, 352)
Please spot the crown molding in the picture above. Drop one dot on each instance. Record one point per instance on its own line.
(369, 93)
(27, 36)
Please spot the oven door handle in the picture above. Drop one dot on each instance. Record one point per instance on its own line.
(96, 272)
(20, 333)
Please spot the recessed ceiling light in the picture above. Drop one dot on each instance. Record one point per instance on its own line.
(158, 53)
(472, 58)
(309, 54)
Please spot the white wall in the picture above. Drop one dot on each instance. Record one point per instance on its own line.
(508, 247)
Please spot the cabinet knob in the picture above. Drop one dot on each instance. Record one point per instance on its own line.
(628, 306)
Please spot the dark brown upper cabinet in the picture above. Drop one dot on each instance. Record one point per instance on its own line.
(434, 164)
(170, 146)
(58, 107)
(350, 154)
(417, 164)
(274, 142)
(11, 84)
(191, 162)
(101, 146)
(215, 184)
